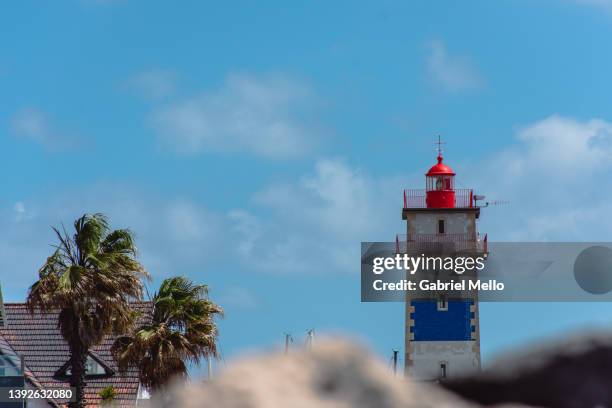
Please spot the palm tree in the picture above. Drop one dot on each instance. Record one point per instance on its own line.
(90, 279)
(182, 330)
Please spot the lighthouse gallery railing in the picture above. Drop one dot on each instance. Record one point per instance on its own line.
(459, 241)
(415, 198)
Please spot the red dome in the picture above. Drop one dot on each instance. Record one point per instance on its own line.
(440, 169)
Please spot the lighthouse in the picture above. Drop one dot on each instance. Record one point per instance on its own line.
(442, 333)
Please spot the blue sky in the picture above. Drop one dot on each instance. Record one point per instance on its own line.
(252, 146)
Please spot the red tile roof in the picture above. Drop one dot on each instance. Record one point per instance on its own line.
(37, 338)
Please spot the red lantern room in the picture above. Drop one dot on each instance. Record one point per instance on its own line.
(440, 183)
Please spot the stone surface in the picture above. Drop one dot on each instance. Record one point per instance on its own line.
(574, 373)
(335, 374)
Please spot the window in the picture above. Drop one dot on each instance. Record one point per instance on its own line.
(442, 303)
(143, 393)
(443, 369)
(10, 366)
(439, 183)
(440, 227)
(92, 369)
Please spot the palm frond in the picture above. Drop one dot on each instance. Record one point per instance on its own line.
(182, 330)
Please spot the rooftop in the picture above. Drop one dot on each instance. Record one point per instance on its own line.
(38, 340)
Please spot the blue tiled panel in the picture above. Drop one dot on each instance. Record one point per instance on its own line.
(430, 324)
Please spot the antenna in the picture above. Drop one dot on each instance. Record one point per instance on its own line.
(288, 340)
(439, 148)
(309, 338)
(497, 202)
(488, 203)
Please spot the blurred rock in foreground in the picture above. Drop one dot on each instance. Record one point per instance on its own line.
(576, 373)
(335, 374)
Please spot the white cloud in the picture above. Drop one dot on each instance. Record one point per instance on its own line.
(238, 298)
(556, 180)
(21, 213)
(262, 116)
(452, 73)
(308, 225)
(34, 125)
(153, 84)
(558, 145)
(605, 5)
(174, 236)
(555, 149)
(324, 198)
(19, 207)
(247, 228)
(314, 224)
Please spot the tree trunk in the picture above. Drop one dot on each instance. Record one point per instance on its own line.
(78, 358)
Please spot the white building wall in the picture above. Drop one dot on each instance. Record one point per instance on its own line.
(460, 358)
(455, 223)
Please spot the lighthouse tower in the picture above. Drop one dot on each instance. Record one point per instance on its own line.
(442, 336)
